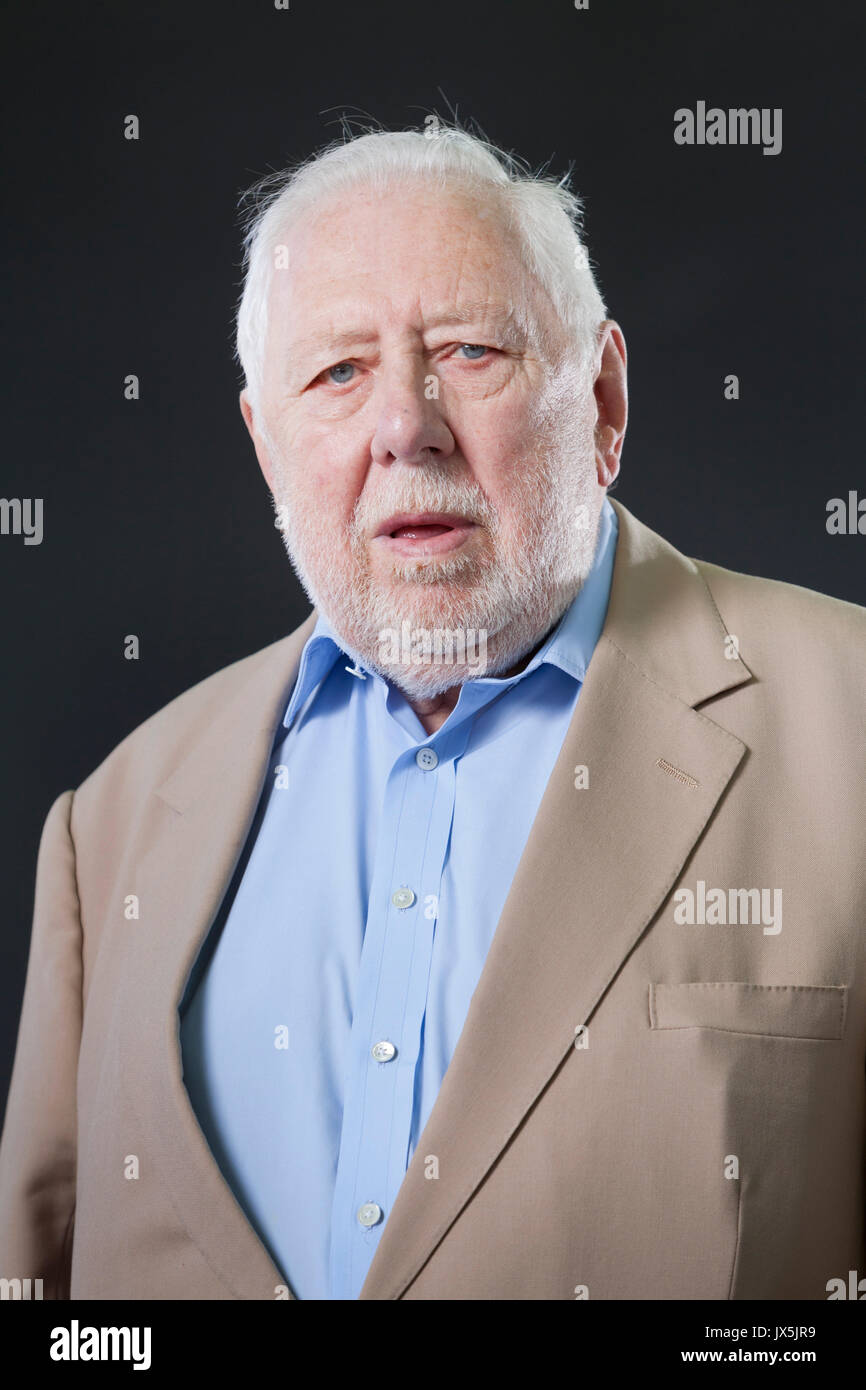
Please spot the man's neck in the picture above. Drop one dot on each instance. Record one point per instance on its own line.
(433, 710)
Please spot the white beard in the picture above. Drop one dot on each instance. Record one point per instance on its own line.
(503, 598)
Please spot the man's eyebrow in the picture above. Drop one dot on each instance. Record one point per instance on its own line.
(472, 313)
(478, 312)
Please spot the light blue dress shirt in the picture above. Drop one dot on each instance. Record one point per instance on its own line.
(324, 1011)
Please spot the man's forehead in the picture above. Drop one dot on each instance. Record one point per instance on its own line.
(345, 280)
(421, 238)
(414, 204)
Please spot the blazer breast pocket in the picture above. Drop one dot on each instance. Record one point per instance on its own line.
(781, 1011)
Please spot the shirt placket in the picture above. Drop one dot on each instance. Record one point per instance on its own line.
(391, 1000)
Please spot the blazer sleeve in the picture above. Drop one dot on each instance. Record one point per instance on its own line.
(38, 1146)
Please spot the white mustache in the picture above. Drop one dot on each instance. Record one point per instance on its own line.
(417, 504)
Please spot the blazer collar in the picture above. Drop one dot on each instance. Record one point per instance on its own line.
(662, 617)
(662, 652)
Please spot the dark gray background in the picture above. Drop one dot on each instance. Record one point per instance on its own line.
(124, 257)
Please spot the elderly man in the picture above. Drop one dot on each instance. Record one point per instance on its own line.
(498, 933)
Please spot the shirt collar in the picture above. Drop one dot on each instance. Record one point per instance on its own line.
(569, 646)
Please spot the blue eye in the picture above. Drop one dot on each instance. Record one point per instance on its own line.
(473, 347)
(341, 367)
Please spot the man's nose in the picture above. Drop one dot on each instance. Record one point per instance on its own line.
(410, 425)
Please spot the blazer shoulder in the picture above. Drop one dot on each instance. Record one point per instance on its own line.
(151, 750)
(781, 613)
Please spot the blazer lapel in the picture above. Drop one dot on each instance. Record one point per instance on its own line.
(204, 811)
(597, 866)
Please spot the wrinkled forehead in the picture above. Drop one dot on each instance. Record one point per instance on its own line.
(404, 253)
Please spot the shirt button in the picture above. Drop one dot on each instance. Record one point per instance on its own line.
(427, 759)
(404, 897)
(383, 1051)
(369, 1214)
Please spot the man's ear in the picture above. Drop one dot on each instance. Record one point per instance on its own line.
(611, 400)
(262, 452)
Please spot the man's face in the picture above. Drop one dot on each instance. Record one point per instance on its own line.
(425, 431)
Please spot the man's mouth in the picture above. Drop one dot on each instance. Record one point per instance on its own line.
(428, 533)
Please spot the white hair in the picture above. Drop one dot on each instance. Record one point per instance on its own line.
(543, 213)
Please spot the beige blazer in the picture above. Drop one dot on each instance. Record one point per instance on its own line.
(639, 1106)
